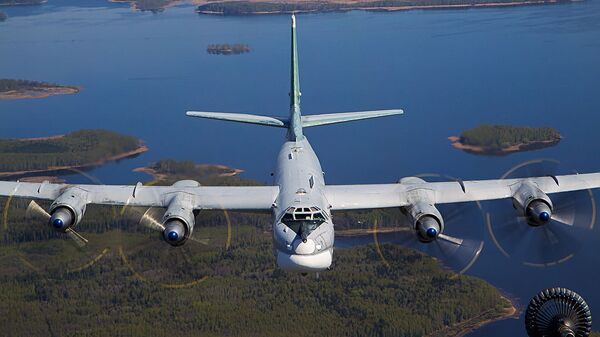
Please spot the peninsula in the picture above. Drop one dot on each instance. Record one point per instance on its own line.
(77, 150)
(227, 49)
(252, 7)
(501, 140)
(19, 89)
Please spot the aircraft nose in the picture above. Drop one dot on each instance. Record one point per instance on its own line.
(304, 248)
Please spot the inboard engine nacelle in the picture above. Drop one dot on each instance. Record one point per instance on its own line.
(532, 203)
(179, 219)
(68, 209)
(426, 220)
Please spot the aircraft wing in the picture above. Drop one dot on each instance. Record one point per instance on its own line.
(347, 197)
(201, 197)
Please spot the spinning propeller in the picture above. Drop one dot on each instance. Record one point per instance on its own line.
(27, 223)
(59, 219)
(170, 231)
(544, 233)
(457, 245)
(162, 260)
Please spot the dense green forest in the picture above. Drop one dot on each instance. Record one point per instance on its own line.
(227, 49)
(140, 286)
(74, 149)
(503, 136)
(248, 7)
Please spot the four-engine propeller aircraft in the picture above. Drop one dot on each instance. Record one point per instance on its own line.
(301, 203)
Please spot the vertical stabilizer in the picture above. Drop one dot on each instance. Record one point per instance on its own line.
(295, 120)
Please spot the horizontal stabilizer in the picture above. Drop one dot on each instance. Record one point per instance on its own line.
(242, 118)
(316, 120)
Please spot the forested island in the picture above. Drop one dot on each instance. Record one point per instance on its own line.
(250, 7)
(149, 5)
(18, 89)
(504, 139)
(128, 282)
(227, 49)
(76, 150)
(21, 2)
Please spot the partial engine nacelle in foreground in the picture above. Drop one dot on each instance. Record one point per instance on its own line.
(68, 209)
(179, 220)
(534, 204)
(426, 220)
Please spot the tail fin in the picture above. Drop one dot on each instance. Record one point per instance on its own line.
(295, 119)
(295, 122)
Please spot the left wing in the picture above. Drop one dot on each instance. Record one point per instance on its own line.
(200, 197)
(346, 197)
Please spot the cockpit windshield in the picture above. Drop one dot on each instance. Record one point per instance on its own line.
(303, 220)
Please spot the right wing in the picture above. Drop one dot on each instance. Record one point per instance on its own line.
(346, 197)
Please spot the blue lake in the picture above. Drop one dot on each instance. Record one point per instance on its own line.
(448, 69)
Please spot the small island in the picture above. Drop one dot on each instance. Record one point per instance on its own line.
(77, 150)
(20, 89)
(149, 5)
(504, 139)
(168, 171)
(227, 49)
(250, 7)
(3, 16)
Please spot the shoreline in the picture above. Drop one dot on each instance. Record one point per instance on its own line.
(468, 326)
(481, 150)
(57, 169)
(382, 8)
(39, 92)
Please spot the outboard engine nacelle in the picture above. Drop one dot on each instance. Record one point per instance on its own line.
(534, 204)
(179, 219)
(426, 221)
(68, 209)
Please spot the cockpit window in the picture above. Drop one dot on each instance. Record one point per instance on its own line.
(303, 220)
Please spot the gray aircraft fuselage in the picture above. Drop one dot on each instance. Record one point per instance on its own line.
(304, 240)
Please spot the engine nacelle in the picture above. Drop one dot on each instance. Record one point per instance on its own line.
(534, 204)
(179, 219)
(68, 209)
(426, 220)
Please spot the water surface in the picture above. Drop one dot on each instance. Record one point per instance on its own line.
(449, 70)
